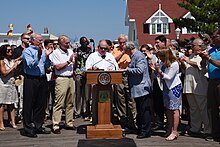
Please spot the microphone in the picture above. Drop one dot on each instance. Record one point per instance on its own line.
(109, 62)
(97, 63)
(91, 40)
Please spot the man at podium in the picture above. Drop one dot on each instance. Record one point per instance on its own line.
(100, 60)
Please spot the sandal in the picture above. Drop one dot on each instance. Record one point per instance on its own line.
(13, 125)
(172, 137)
(2, 129)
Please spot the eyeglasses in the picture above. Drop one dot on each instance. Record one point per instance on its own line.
(143, 51)
(103, 48)
(55, 44)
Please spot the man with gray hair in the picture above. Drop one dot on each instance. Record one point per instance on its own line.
(140, 89)
(195, 88)
(36, 61)
(63, 60)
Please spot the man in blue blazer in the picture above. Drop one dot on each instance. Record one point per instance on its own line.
(140, 89)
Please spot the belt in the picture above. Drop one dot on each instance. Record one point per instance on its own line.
(65, 76)
(35, 77)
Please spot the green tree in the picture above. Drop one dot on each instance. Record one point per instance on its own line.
(205, 12)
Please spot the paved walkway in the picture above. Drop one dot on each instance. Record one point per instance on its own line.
(69, 138)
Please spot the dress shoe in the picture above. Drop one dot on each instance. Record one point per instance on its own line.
(56, 131)
(31, 134)
(130, 131)
(194, 134)
(142, 136)
(70, 127)
(43, 131)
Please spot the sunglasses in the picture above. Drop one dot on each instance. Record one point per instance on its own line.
(9, 50)
(26, 38)
(103, 48)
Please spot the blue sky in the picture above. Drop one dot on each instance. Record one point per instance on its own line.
(97, 19)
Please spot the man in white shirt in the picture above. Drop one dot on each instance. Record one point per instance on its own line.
(101, 59)
(195, 88)
(63, 60)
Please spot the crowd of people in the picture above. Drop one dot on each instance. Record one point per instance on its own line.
(43, 79)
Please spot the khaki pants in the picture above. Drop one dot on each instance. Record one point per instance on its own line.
(64, 95)
(123, 100)
(198, 113)
(82, 104)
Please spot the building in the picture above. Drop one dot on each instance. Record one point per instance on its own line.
(147, 19)
(15, 39)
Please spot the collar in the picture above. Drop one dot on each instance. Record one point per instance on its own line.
(34, 47)
(62, 52)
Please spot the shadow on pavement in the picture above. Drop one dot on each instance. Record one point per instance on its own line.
(126, 142)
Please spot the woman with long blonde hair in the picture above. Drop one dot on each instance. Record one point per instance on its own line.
(169, 73)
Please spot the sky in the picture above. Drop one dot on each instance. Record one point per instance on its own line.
(96, 19)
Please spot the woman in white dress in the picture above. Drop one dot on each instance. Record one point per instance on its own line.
(8, 93)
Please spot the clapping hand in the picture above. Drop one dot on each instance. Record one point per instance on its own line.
(204, 54)
(49, 51)
(16, 63)
(152, 66)
(157, 67)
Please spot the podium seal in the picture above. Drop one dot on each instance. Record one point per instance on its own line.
(104, 78)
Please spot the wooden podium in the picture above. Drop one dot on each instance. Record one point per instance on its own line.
(103, 81)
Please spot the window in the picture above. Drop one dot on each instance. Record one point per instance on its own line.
(153, 29)
(159, 23)
(159, 28)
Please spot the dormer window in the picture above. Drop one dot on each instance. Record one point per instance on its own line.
(158, 23)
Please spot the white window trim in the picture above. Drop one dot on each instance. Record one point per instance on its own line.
(149, 21)
(185, 30)
(156, 33)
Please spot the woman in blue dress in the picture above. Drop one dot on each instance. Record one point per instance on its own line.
(169, 73)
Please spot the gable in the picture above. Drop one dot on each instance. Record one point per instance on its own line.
(159, 17)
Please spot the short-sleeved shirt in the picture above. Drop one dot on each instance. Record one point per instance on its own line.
(214, 71)
(96, 60)
(195, 80)
(58, 57)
